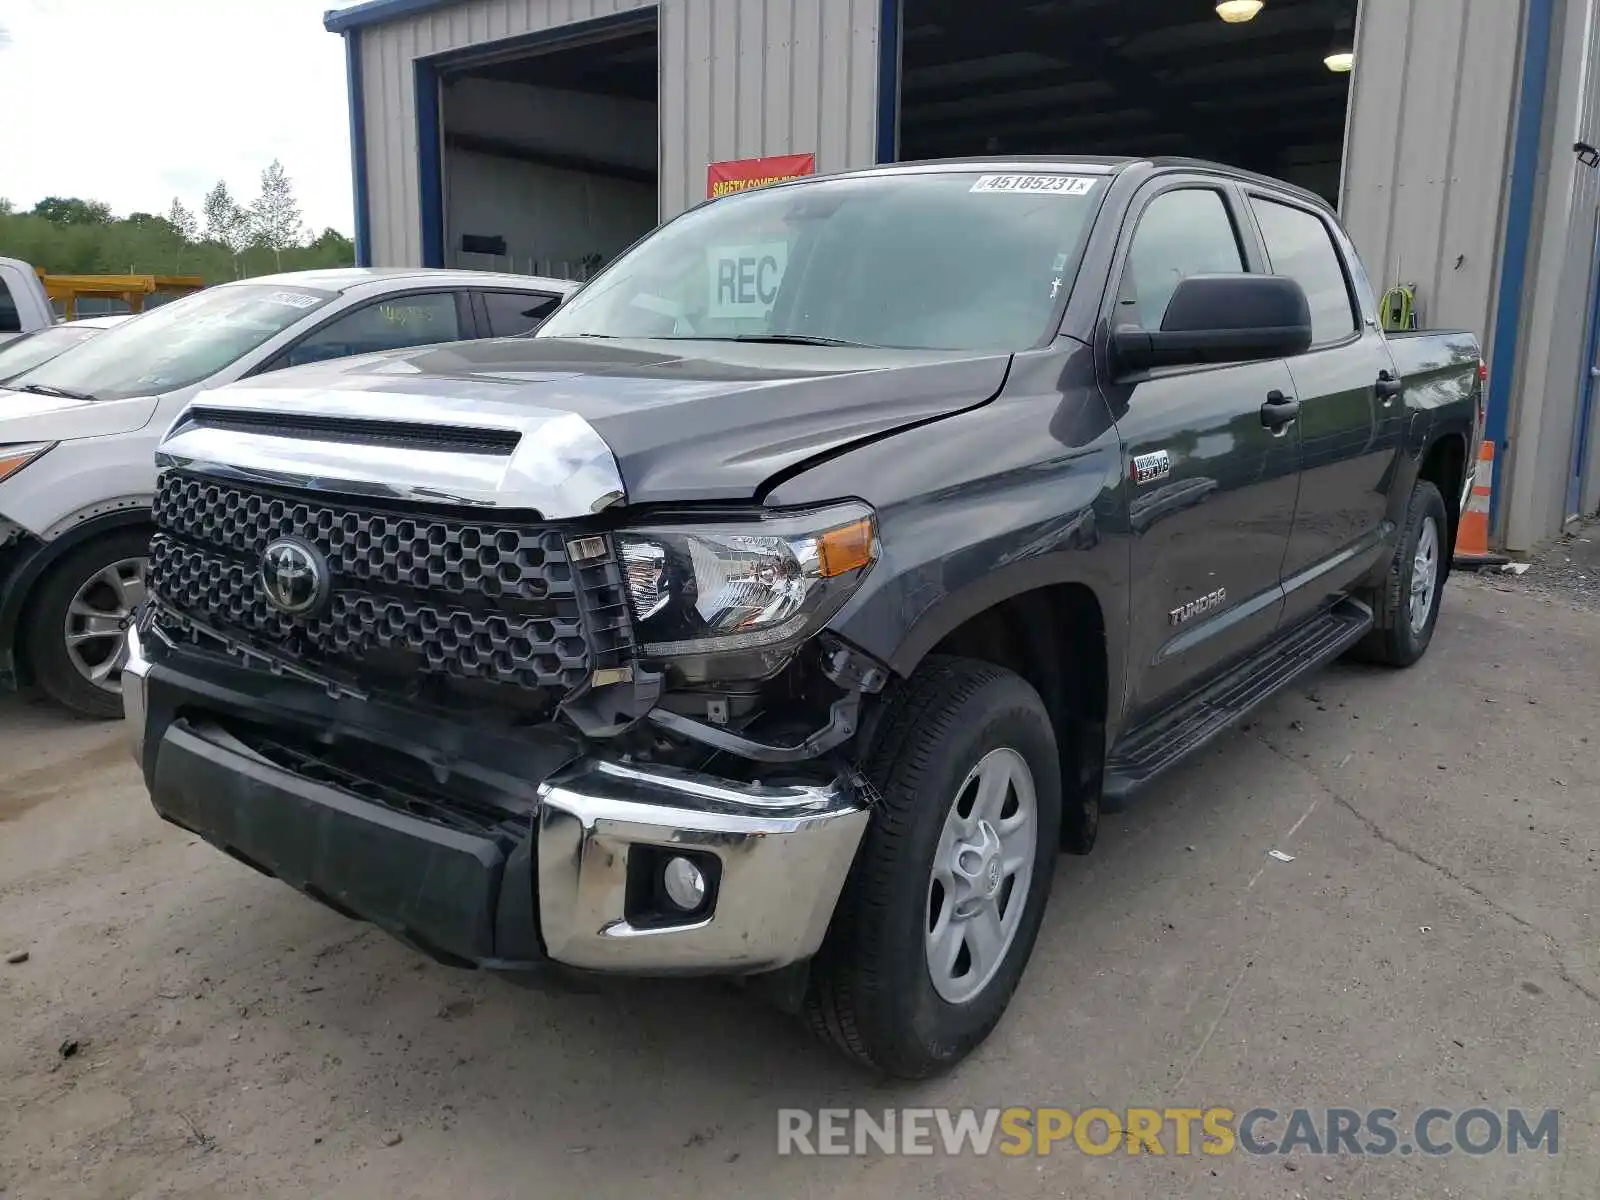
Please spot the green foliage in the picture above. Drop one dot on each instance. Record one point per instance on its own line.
(70, 236)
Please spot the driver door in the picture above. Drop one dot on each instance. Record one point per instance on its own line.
(1210, 488)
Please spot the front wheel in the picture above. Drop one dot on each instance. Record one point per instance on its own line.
(1406, 605)
(75, 636)
(940, 913)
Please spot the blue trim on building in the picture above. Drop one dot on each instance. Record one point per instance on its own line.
(430, 163)
(889, 44)
(358, 147)
(1519, 233)
(339, 20)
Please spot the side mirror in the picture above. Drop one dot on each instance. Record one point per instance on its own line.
(1221, 318)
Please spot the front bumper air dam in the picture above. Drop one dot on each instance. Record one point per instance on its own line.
(782, 852)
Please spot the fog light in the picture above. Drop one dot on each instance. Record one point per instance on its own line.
(685, 883)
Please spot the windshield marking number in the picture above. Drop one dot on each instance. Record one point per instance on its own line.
(1033, 185)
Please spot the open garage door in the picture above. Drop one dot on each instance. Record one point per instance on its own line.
(1260, 85)
(549, 151)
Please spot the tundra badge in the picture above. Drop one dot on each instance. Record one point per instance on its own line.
(1210, 602)
(1149, 467)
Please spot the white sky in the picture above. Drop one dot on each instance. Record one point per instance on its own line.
(136, 101)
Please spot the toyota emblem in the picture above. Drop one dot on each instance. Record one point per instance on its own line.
(294, 577)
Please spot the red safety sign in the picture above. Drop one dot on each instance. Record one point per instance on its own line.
(738, 174)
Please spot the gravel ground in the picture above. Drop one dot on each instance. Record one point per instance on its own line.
(185, 1028)
(1565, 570)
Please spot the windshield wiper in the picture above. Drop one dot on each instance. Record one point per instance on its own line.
(45, 389)
(792, 339)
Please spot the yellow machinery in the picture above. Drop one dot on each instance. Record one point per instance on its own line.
(132, 290)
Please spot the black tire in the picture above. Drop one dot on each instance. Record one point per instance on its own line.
(870, 991)
(1393, 641)
(44, 627)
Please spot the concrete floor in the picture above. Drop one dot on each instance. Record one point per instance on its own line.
(1433, 941)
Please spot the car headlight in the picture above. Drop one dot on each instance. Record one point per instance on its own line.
(738, 588)
(14, 458)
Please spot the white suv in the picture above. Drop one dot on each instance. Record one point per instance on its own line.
(78, 437)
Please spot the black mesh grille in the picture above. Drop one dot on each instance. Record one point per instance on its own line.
(429, 593)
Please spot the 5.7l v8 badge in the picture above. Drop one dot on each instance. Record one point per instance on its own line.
(1147, 468)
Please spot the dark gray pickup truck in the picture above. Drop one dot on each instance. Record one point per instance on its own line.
(809, 581)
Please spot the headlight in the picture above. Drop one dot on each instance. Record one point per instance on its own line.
(14, 458)
(737, 587)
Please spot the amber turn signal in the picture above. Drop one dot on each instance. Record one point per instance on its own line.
(847, 548)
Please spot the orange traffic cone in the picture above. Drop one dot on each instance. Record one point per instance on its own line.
(1472, 535)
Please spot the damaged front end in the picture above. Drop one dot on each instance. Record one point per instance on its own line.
(387, 664)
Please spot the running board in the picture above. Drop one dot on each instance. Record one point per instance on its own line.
(1170, 736)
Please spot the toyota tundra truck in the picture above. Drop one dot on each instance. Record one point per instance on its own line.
(806, 585)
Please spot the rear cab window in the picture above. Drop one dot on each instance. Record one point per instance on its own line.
(1300, 245)
(514, 313)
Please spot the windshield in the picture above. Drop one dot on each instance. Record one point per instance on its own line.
(28, 351)
(957, 261)
(175, 345)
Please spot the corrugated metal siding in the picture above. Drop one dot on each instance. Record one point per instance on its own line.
(743, 78)
(1550, 360)
(1589, 206)
(1428, 148)
(739, 78)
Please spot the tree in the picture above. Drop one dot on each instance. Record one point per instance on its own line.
(274, 218)
(69, 210)
(6, 207)
(225, 221)
(181, 219)
(330, 242)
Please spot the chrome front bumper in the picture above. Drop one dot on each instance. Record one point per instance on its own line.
(781, 854)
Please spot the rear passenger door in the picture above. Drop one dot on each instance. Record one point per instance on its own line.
(1211, 489)
(1352, 416)
(511, 314)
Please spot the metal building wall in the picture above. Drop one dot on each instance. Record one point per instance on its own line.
(739, 78)
(1551, 357)
(742, 78)
(1428, 147)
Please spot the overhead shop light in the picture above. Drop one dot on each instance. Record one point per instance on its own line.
(1341, 56)
(1237, 12)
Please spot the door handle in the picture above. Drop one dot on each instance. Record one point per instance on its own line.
(1388, 387)
(1279, 410)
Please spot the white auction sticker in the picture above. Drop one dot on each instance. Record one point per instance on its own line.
(294, 299)
(1057, 185)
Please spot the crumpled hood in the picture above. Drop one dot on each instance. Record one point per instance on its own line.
(697, 420)
(29, 417)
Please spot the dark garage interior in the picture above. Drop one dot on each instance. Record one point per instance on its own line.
(1151, 77)
(549, 152)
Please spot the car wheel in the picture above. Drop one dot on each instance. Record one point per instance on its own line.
(941, 910)
(75, 639)
(1406, 606)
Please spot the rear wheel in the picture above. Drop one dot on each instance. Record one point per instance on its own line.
(940, 914)
(1406, 606)
(75, 636)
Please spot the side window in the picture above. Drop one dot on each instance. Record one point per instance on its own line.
(383, 325)
(1300, 246)
(1180, 233)
(512, 313)
(10, 319)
